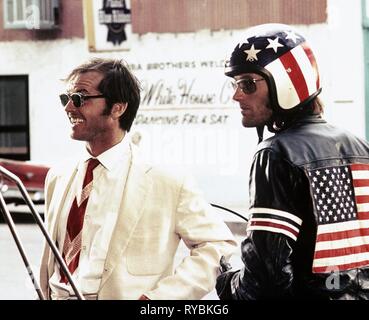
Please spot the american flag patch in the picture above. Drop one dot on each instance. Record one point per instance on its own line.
(273, 220)
(341, 203)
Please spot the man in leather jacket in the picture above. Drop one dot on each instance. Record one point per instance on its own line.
(308, 230)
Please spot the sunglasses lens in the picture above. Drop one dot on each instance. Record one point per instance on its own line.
(76, 98)
(64, 99)
(248, 86)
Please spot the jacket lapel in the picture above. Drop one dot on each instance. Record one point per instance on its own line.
(63, 183)
(133, 201)
(60, 192)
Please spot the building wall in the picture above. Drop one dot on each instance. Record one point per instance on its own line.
(186, 70)
(193, 15)
(70, 25)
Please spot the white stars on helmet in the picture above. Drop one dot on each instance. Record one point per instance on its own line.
(241, 43)
(292, 35)
(274, 44)
(252, 54)
(280, 53)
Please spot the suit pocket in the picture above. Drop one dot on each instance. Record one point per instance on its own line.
(147, 256)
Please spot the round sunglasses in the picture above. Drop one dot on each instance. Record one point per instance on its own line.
(247, 85)
(77, 98)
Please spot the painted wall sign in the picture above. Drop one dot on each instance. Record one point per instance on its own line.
(187, 92)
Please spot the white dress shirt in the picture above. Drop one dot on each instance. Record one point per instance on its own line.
(109, 179)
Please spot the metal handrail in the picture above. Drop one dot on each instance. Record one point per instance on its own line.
(231, 211)
(38, 219)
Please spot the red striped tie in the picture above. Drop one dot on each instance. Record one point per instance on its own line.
(73, 236)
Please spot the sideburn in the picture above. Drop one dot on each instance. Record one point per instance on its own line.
(107, 110)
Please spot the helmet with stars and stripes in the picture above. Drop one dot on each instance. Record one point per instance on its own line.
(283, 58)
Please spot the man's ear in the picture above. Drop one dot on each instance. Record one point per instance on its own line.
(118, 109)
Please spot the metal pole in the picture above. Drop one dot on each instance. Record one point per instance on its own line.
(229, 210)
(10, 222)
(40, 223)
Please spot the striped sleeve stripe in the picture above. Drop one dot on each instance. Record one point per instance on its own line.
(278, 222)
(272, 227)
(272, 220)
(281, 219)
(276, 212)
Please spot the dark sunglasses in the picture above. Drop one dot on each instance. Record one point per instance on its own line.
(247, 85)
(77, 98)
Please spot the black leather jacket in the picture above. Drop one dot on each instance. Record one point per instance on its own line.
(301, 241)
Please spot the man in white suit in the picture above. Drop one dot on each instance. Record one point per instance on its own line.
(118, 222)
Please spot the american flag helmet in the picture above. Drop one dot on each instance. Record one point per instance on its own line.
(281, 55)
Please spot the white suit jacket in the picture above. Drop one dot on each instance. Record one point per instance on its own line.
(158, 209)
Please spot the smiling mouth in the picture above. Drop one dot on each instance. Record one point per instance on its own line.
(75, 121)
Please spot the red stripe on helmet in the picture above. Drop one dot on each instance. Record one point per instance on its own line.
(311, 57)
(294, 72)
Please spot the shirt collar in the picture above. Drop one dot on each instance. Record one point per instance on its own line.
(112, 156)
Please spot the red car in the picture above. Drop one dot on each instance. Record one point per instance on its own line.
(32, 176)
